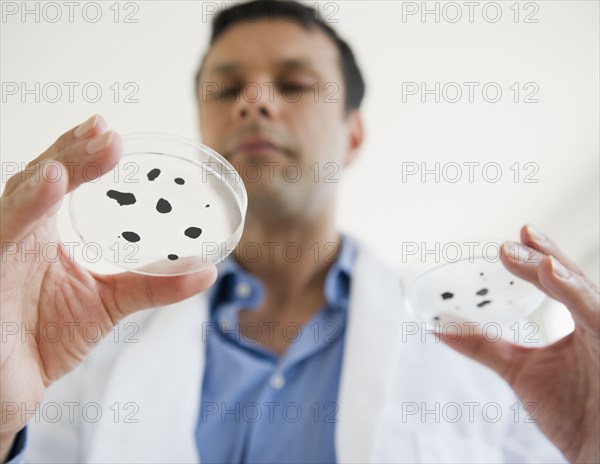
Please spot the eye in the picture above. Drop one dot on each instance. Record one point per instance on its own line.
(294, 90)
(229, 91)
(223, 93)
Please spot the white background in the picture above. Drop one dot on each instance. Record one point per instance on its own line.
(559, 54)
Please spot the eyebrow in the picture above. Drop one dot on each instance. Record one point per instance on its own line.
(288, 65)
(227, 68)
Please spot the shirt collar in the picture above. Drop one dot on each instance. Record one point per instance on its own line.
(337, 282)
(236, 285)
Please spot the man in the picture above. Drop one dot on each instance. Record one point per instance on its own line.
(197, 386)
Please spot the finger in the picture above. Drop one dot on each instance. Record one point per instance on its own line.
(522, 261)
(127, 292)
(536, 239)
(575, 292)
(22, 210)
(92, 127)
(572, 289)
(35, 198)
(467, 339)
(89, 159)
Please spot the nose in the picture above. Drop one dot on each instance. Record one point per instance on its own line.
(255, 102)
(262, 110)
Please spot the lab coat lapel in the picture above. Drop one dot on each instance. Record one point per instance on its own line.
(168, 359)
(374, 321)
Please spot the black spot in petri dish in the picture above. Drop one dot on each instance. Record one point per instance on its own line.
(207, 206)
(512, 282)
(193, 232)
(153, 174)
(131, 236)
(483, 303)
(179, 181)
(481, 273)
(173, 257)
(436, 318)
(163, 206)
(482, 292)
(447, 295)
(123, 198)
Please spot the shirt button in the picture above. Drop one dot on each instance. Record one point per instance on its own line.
(277, 381)
(243, 290)
(224, 325)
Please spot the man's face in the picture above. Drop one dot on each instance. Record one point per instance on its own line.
(272, 103)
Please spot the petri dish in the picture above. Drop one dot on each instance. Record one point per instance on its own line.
(476, 289)
(171, 206)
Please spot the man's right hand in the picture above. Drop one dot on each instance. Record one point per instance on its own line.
(36, 294)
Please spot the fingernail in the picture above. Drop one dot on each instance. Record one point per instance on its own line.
(99, 143)
(558, 269)
(535, 234)
(516, 252)
(85, 127)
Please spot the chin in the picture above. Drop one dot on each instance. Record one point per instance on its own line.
(261, 171)
(280, 200)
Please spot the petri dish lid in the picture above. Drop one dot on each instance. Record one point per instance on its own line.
(476, 289)
(171, 206)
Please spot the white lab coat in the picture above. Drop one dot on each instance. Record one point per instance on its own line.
(387, 375)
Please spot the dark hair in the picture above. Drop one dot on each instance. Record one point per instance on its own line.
(308, 18)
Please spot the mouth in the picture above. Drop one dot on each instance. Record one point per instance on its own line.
(257, 146)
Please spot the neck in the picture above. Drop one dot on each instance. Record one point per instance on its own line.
(289, 255)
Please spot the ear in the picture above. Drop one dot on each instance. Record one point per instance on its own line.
(356, 134)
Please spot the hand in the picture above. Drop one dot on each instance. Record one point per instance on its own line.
(36, 294)
(563, 379)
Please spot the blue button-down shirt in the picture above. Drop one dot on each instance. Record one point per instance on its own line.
(257, 406)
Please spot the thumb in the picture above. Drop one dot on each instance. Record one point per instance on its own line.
(128, 292)
(466, 338)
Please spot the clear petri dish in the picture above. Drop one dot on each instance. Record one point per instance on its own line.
(476, 289)
(171, 206)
